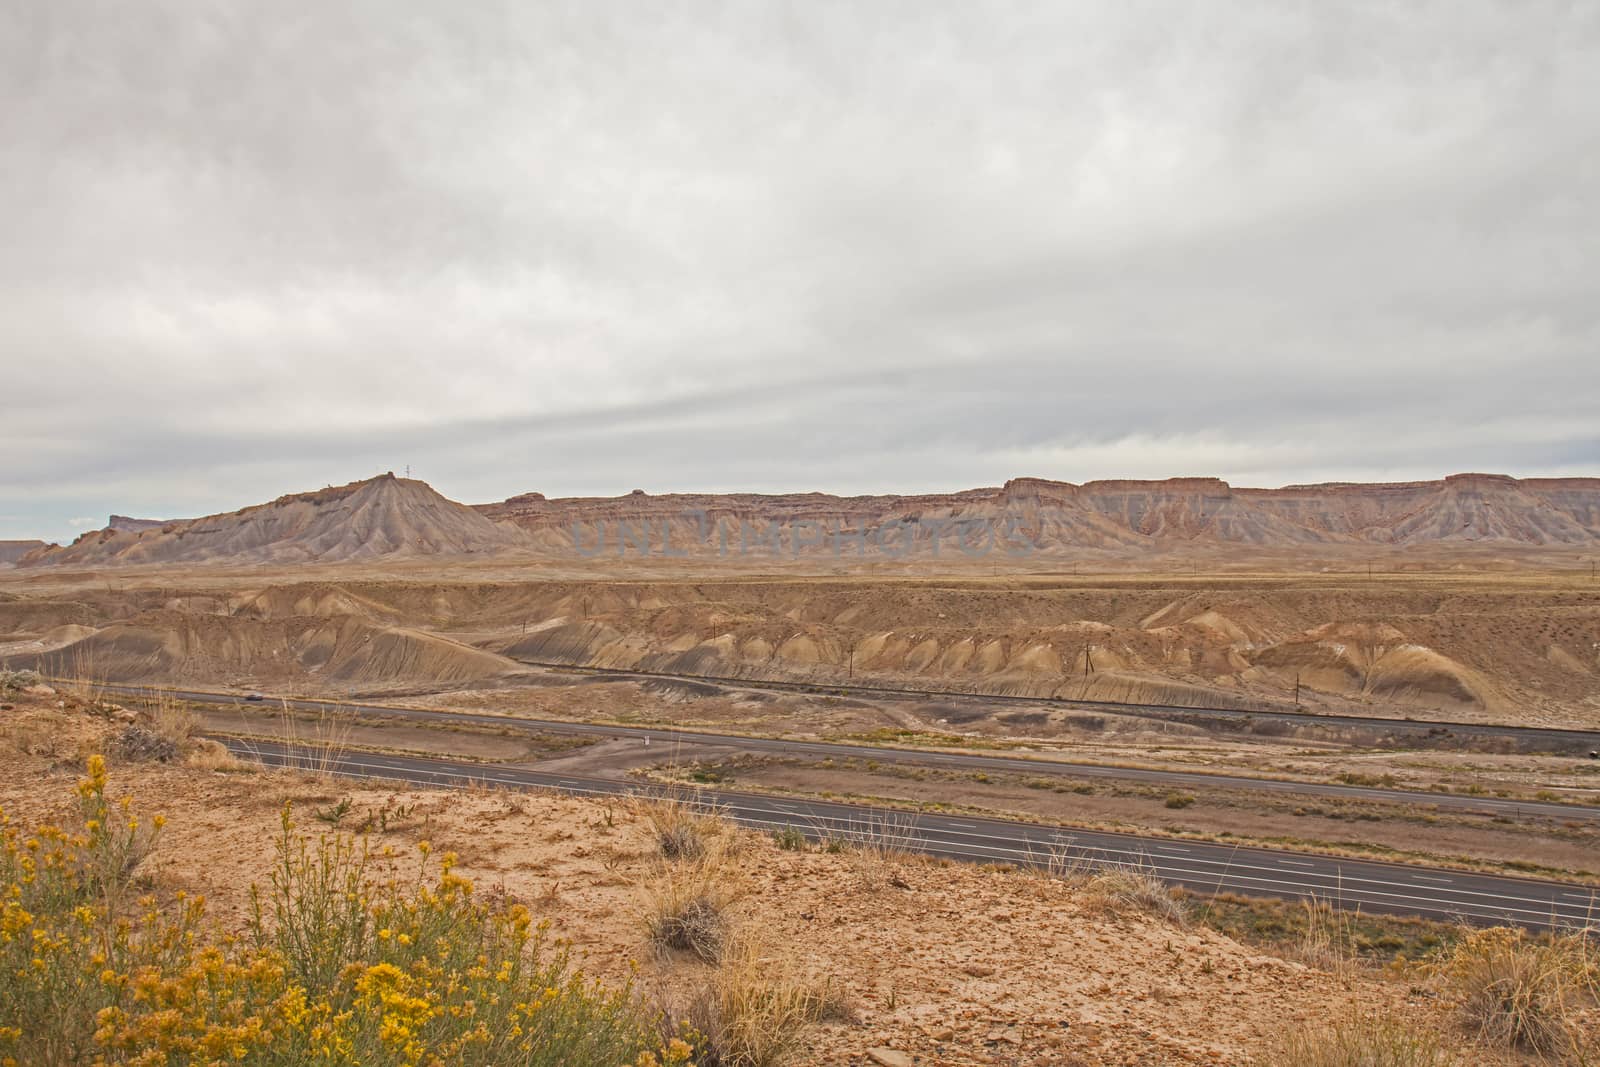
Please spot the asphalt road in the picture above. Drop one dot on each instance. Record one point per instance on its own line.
(1202, 867)
(1488, 806)
(1576, 742)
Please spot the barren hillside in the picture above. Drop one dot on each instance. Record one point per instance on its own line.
(11, 551)
(384, 517)
(1516, 649)
(1104, 516)
(1027, 519)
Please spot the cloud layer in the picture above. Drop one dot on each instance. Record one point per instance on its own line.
(577, 248)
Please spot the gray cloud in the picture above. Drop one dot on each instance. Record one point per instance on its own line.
(570, 248)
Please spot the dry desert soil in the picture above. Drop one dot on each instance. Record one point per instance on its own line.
(937, 963)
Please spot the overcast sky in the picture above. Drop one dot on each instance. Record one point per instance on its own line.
(255, 248)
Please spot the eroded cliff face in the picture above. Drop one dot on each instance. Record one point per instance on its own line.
(389, 517)
(383, 517)
(11, 551)
(1101, 515)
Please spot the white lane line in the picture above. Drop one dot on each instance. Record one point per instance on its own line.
(964, 825)
(1174, 848)
(1431, 878)
(1297, 863)
(1345, 887)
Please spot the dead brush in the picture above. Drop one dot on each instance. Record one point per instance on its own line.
(877, 846)
(315, 747)
(688, 904)
(1328, 940)
(1119, 887)
(1523, 993)
(753, 1010)
(170, 718)
(208, 755)
(682, 824)
(1360, 1041)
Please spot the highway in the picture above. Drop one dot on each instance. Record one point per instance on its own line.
(1202, 867)
(1036, 767)
(1574, 741)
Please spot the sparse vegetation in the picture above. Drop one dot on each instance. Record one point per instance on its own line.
(752, 1010)
(682, 825)
(17, 681)
(334, 814)
(136, 744)
(688, 903)
(1519, 992)
(1318, 935)
(1361, 1041)
(790, 839)
(336, 970)
(1116, 888)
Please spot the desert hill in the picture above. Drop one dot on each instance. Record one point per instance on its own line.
(11, 551)
(380, 517)
(1113, 516)
(388, 517)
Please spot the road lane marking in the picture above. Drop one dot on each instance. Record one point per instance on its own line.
(1233, 871)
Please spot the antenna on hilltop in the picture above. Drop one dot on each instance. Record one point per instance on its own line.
(408, 472)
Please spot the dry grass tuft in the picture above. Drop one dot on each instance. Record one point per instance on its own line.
(170, 718)
(1360, 1041)
(877, 845)
(753, 1010)
(688, 903)
(208, 755)
(1117, 889)
(683, 825)
(1328, 941)
(317, 744)
(1518, 992)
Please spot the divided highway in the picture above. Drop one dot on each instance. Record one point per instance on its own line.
(1203, 867)
(1578, 741)
(1040, 767)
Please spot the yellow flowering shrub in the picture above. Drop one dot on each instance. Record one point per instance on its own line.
(335, 969)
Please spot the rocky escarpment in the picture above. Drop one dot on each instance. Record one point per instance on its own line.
(1100, 515)
(383, 517)
(11, 551)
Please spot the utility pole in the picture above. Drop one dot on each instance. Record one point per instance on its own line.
(1088, 665)
(852, 672)
(1297, 689)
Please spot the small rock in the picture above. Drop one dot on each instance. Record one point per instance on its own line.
(944, 1033)
(888, 1057)
(978, 970)
(39, 691)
